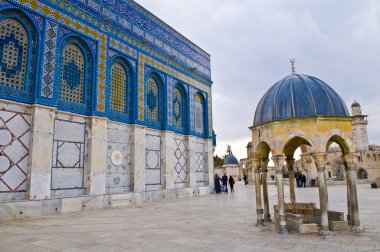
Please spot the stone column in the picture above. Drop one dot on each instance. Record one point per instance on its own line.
(290, 164)
(320, 162)
(259, 207)
(97, 156)
(167, 164)
(191, 159)
(279, 164)
(264, 172)
(40, 161)
(348, 199)
(353, 197)
(138, 157)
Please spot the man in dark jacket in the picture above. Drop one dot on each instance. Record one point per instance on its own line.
(224, 182)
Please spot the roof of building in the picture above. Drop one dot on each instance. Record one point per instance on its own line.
(230, 159)
(298, 96)
(355, 104)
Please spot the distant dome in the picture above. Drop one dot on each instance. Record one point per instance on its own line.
(231, 159)
(298, 96)
(355, 104)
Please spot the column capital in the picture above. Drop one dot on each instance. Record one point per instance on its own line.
(278, 162)
(264, 163)
(256, 162)
(351, 159)
(320, 159)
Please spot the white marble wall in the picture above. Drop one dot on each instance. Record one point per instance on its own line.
(15, 124)
(180, 157)
(154, 178)
(119, 175)
(68, 159)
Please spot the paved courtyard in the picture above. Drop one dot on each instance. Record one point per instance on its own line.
(206, 223)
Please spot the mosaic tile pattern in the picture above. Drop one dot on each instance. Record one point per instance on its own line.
(14, 151)
(72, 74)
(192, 108)
(49, 59)
(177, 108)
(152, 100)
(170, 83)
(123, 48)
(146, 60)
(102, 63)
(118, 88)
(14, 47)
(181, 167)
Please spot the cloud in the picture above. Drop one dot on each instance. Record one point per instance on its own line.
(251, 41)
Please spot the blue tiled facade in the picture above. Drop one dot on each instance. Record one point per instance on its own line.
(69, 47)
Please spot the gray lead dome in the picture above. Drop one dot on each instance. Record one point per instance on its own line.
(298, 96)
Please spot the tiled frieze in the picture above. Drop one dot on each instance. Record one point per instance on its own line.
(122, 47)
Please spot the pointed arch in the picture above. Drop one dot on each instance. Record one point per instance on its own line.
(75, 74)
(180, 108)
(154, 99)
(19, 39)
(200, 113)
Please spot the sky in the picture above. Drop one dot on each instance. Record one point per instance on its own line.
(251, 42)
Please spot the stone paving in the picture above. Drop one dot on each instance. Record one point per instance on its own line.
(206, 223)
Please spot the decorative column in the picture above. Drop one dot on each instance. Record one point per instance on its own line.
(259, 208)
(39, 178)
(264, 172)
(353, 196)
(97, 156)
(290, 163)
(320, 162)
(279, 164)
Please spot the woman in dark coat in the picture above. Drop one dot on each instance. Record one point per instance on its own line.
(217, 187)
(231, 181)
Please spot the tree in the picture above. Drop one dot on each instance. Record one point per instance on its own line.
(218, 161)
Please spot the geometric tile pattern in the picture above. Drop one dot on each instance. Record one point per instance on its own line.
(80, 27)
(49, 59)
(200, 162)
(118, 88)
(171, 81)
(153, 160)
(118, 175)
(123, 48)
(146, 60)
(181, 167)
(14, 151)
(152, 100)
(192, 108)
(14, 50)
(68, 155)
(199, 104)
(177, 108)
(72, 74)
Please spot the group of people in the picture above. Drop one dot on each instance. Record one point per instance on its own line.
(221, 184)
(300, 179)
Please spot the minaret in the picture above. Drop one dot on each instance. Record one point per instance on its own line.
(359, 127)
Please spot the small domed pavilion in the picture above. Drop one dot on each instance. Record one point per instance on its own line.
(299, 111)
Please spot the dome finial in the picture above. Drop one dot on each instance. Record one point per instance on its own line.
(292, 61)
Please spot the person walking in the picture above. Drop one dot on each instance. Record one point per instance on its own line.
(303, 180)
(298, 179)
(217, 187)
(245, 179)
(231, 181)
(224, 182)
